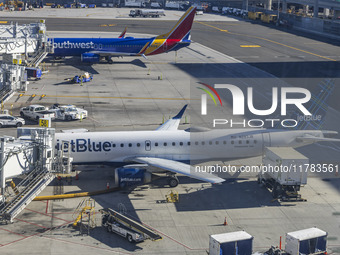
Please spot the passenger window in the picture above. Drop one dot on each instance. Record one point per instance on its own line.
(165, 144)
(232, 142)
(173, 144)
(224, 142)
(181, 144)
(122, 145)
(189, 143)
(138, 144)
(196, 143)
(156, 144)
(203, 143)
(240, 142)
(113, 145)
(210, 142)
(130, 144)
(216, 142)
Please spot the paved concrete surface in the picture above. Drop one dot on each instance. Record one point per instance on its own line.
(105, 13)
(300, 59)
(137, 94)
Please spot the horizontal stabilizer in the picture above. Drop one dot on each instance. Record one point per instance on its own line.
(178, 167)
(173, 123)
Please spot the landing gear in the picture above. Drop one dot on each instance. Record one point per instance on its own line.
(173, 181)
(109, 60)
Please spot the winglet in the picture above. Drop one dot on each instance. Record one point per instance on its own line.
(180, 114)
(123, 33)
(173, 123)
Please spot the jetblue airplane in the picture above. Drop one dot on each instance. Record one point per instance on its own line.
(170, 150)
(92, 49)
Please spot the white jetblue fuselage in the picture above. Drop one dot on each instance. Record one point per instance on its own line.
(178, 145)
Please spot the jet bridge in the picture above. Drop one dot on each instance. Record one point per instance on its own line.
(17, 40)
(21, 44)
(31, 157)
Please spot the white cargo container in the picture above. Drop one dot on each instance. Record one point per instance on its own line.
(283, 170)
(306, 241)
(239, 242)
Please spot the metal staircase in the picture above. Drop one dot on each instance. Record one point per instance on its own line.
(41, 54)
(37, 179)
(28, 188)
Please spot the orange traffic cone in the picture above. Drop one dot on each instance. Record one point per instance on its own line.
(77, 176)
(225, 223)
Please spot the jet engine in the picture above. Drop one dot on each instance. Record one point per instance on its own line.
(90, 57)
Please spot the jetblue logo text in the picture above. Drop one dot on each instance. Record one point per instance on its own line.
(83, 145)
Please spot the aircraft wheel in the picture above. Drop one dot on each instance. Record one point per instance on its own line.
(129, 238)
(276, 192)
(173, 182)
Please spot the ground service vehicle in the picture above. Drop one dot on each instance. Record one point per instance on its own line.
(36, 112)
(69, 112)
(146, 13)
(86, 77)
(8, 120)
(124, 226)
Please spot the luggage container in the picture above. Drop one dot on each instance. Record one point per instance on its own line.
(307, 241)
(240, 243)
(283, 171)
(33, 72)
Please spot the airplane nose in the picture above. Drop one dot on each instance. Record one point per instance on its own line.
(329, 134)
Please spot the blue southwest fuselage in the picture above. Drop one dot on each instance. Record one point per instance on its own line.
(115, 46)
(91, 49)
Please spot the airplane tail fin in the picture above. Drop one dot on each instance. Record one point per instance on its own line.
(183, 26)
(123, 33)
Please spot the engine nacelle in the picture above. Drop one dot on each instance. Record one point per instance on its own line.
(90, 57)
(131, 176)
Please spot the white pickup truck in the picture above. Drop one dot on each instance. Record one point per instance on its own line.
(68, 112)
(36, 112)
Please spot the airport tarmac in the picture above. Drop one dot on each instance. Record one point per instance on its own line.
(139, 94)
(104, 13)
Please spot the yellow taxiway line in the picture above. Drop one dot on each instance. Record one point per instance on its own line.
(268, 40)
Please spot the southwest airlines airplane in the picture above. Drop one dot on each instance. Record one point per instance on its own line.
(92, 49)
(170, 150)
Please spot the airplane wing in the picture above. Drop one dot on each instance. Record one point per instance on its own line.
(178, 167)
(173, 123)
(316, 139)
